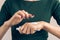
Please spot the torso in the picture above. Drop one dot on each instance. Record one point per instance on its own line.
(42, 11)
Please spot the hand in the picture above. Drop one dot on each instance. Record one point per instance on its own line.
(18, 17)
(31, 28)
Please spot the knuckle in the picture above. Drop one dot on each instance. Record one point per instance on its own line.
(19, 11)
(23, 15)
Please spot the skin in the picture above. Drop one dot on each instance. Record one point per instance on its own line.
(15, 19)
(29, 28)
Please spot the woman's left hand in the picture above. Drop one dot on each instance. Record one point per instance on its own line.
(31, 28)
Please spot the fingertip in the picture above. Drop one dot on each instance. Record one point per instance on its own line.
(26, 15)
(33, 32)
(31, 15)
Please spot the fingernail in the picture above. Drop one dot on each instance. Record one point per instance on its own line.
(32, 16)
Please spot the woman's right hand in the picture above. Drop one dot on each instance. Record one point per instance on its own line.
(18, 17)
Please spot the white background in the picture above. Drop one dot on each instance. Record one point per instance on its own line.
(8, 33)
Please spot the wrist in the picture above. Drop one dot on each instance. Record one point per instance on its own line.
(43, 23)
(40, 25)
(7, 23)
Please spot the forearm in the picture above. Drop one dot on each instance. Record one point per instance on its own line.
(54, 30)
(3, 29)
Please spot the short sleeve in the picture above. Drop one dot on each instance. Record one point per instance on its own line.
(56, 13)
(4, 13)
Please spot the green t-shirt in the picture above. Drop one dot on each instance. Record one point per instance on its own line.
(43, 11)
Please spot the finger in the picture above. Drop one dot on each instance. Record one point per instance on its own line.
(28, 30)
(26, 14)
(31, 16)
(25, 30)
(21, 29)
(23, 26)
(32, 31)
(21, 14)
(19, 17)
